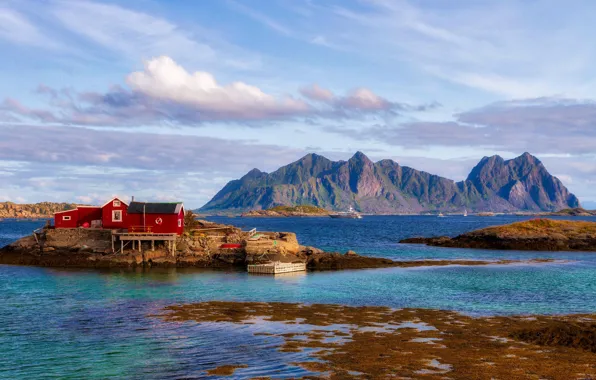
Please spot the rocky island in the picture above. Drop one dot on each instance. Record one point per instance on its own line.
(33, 210)
(577, 211)
(288, 211)
(531, 235)
(204, 244)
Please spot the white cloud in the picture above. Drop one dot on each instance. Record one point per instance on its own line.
(164, 79)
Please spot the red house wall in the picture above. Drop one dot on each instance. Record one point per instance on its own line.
(180, 229)
(59, 221)
(106, 215)
(88, 214)
(169, 224)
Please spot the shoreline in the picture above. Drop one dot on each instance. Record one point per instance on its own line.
(326, 261)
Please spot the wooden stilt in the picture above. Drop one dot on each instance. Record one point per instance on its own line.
(113, 244)
(153, 245)
(121, 246)
(140, 246)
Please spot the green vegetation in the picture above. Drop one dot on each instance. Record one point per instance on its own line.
(303, 209)
(190, 222)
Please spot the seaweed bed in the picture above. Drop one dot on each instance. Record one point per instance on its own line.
(380, 342)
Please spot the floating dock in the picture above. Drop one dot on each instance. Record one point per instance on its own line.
(277, 267)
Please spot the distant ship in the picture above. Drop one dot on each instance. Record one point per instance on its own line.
(350, 214)
(441, 215)
(465, 212)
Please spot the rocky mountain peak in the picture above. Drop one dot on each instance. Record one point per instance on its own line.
(494, 184)
(360, 157)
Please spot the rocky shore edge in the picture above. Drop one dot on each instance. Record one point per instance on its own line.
(531, 235)
(207, 245)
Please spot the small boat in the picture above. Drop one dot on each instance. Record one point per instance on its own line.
(230, 246)
(350, 214)
(441, 215)
(465, 212)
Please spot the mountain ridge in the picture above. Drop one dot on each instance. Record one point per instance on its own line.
(385, 187)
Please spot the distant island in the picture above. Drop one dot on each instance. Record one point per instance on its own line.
(494, 185)
(578, 211)
(530, 235)
(35, 210)
(288, 211)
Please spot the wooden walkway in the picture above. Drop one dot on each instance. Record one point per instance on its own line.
(277, 267)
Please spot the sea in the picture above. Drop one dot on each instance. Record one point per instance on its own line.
(98, 324)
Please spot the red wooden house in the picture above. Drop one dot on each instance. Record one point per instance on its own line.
(161, 218)
(117, 214)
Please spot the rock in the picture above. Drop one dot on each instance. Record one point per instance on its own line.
(531, 235)
(350, 253)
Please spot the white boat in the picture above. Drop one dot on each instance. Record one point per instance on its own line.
(465, 212)
(441, 215)
(350, 214)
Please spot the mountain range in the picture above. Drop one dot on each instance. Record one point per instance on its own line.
(385, 187)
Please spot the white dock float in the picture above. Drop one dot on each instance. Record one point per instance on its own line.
(277, 267)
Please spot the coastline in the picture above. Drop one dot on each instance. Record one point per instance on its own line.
(208, 245)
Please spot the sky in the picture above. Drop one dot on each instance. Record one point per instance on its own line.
(171, 99)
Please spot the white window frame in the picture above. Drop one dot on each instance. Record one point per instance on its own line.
(66, 217)
(179, 222)
(116, 204)
(114, 216)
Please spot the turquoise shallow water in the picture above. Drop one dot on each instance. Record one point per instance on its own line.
(92, 324)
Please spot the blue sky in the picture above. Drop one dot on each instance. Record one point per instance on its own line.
(171, 99)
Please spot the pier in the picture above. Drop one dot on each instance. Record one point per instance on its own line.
(138, 237)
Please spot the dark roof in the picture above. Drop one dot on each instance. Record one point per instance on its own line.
(154, 208)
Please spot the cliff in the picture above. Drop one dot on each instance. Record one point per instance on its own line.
(37, 210)
(385, 187)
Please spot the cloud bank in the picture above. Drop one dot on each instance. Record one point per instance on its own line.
(166, 93)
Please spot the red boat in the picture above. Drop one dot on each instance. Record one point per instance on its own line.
(231, 246)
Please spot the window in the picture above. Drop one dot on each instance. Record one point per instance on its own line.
(116, 203)
(116, 215)
(179, 222)
(66, 217)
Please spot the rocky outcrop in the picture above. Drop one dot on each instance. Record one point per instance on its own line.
(385, 187)
(578, 211)
(37, 210)
(532, 235)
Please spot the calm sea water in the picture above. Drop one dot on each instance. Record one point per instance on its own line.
(57, 323)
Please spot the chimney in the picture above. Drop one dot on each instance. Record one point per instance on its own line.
(133, 198)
